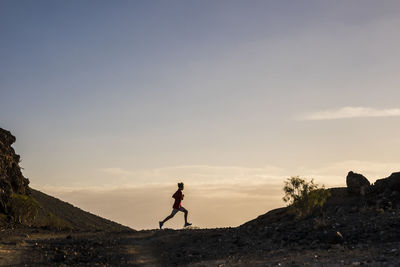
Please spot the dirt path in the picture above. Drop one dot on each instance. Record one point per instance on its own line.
(212, 247)
(90, 249)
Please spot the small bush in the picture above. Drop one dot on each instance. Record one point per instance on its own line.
(304, 198)
(53, 222)
(23, 209)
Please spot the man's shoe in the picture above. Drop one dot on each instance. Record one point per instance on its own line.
(187, 224)
(161, 224)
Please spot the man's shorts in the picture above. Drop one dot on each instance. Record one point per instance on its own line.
(174, 211)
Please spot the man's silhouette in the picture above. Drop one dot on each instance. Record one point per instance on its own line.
(177, 207)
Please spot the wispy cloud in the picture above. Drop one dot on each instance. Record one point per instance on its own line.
(350, 112)
(225, 178)
(194, 174)
(114, 171)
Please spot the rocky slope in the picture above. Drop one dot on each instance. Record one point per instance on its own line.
(11, 178)
(23, 206)
(72, 217)
(356, 214)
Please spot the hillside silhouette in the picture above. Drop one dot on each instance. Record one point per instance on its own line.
(357, 225)
(73, 217)
(24, 206)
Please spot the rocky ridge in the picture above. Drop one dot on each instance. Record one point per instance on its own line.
(22, 206)
(11, 178)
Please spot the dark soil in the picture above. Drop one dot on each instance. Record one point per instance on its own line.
(371, 238)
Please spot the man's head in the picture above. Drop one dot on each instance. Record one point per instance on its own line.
(180, 186)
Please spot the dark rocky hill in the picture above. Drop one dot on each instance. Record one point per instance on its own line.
(73, 217)
(24, 206)
(11, 179)
(360, 212)
(359, 224)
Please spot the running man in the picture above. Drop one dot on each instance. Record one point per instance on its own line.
(177, 207)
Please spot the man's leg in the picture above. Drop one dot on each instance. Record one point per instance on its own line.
(186, 215)
(167, 218)
(174, 211)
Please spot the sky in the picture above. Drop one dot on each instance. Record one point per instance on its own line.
(114, 102)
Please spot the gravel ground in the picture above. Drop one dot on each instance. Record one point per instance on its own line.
(209, 247)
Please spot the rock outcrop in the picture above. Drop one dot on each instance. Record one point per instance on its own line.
(357, 183)
(383, 194)
(387, 192)
(26, 207)
(348, 217)
(11, 178)
(389, 184)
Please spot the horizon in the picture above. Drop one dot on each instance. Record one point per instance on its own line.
(114, 103)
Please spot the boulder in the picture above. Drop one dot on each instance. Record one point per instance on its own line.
(357, 183)
(389, 184)
(388, 191)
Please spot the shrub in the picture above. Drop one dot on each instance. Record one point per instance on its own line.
(53, 222)
(303, 197)
(24, 209)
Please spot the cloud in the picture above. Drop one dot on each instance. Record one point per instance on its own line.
(225, 178)
(350, 112)
(193, 174)
(114, 171)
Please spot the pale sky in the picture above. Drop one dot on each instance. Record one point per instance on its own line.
(114, 102)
